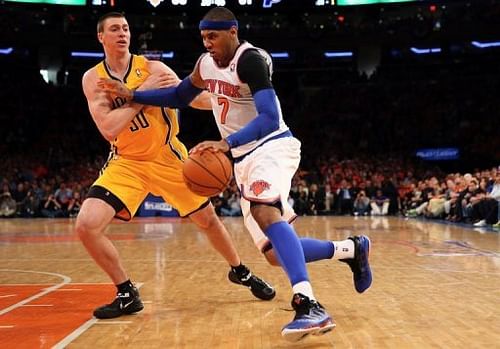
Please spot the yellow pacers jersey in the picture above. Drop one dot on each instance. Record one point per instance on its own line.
(152, 128)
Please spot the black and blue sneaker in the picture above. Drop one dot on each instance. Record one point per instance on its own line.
(362, 274)
(259, 288)
(310, 318)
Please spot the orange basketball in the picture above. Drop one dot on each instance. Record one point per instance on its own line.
(207, 173)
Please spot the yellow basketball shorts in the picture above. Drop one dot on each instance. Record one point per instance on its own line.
(124, 184)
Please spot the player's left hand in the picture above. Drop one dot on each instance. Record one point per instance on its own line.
(210, 145)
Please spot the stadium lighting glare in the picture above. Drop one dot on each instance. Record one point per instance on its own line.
(87, 54)
(280, 55)
(168, 55)
(425, 51)
(485, 44)
(329, 54)
(6, 51)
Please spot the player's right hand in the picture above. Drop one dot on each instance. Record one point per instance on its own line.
(215, 146)
(115, 87)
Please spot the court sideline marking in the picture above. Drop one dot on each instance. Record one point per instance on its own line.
(76, 333)
(66, 280)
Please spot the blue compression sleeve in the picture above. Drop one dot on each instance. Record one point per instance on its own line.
(267, 120)
(316, 250)
(174, 97)
(287, 248)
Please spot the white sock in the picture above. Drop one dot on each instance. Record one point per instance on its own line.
(305, 288)
(343, 249)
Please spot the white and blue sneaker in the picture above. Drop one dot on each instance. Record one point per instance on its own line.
(360, 267)
(310, 318)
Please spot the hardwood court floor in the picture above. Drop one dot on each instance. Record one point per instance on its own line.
(435, 286)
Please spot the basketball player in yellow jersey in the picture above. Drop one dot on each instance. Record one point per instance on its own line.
(146, 157)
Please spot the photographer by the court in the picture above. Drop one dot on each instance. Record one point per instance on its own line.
(361, 204)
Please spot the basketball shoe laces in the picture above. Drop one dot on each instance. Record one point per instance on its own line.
(305, 308)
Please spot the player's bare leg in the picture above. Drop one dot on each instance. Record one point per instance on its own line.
(92, 219)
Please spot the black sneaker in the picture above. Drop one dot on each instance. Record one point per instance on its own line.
(310, 318)
(360, 266)
(259, 287)
(124, 304)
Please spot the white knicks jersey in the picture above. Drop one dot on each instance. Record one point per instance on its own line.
(232, 102)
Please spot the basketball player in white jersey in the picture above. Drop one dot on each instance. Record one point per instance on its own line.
(266, 156)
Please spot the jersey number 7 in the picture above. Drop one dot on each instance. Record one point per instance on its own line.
(225, 108)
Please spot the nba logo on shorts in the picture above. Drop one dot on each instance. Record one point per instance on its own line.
(232, 66)
(259, 186)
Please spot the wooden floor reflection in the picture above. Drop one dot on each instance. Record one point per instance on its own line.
(435, 286)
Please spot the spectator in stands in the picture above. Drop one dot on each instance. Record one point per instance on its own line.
(456, 198)
(31, 204)
(450, 196)
(300, 200)
(8, 205)
(52, 208)
(471, 197)
(486, 210)
(429, 189)
(345, 198)
(329, 199)
(389, 189)
(19, 194)
(406, 198)
(415, 199)
(232, 205)
(361, 204)
(435, 206)
(75, 203)
(379, 204)
(370, 188)
(315, 200)
(63, 196)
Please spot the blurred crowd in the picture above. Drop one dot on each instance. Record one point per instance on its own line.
(29, 189)
(359, 135)
(380, 188)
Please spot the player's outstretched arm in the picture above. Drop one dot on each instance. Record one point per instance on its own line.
(202, 101)
(179, 96)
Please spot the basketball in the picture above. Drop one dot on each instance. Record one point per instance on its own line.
(207, 173)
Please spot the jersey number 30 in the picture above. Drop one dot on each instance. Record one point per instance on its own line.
(139, 122)
(225, 108)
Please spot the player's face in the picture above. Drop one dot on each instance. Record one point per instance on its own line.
(219, 44)
(116, 34)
